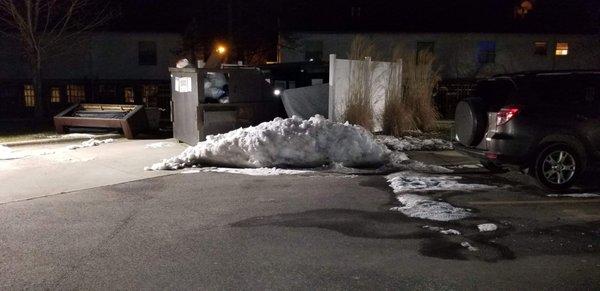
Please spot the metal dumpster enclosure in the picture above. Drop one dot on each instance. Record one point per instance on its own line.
(246, 100)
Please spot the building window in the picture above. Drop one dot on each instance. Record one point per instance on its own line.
(562, 48)
(150, 95)
(75, 93)
(314, 51)
(424, 47)
(540, 48)
(129, 95)
(29, 95)
(486, 52)
(55, 95)
(147, 53)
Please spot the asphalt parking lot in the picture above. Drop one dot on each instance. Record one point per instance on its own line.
(321, 230)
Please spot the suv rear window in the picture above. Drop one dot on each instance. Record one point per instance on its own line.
(562, 90)
(496, 92)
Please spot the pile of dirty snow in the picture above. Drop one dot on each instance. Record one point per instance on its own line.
(426, 208)
(90, 143)
(284, 142)
(410, 143)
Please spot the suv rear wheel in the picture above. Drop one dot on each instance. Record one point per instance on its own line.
(557, 167)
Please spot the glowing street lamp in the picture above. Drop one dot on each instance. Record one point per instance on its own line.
(221, 49)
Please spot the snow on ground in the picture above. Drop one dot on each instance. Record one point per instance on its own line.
(426, 208)
(413, 181)
(158, 145)
(469, 246)
(484, 227)
(409, 143)
(401, 162)
(249, 171)
(575, 195)
(90, 143)
(77, 135)
(448, 231)
(7, 153)
(284, 142)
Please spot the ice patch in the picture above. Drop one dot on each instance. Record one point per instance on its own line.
(413, 181)
(284, 142)
(575, 195)
(90, 143)
(158, 145)
(409, 143)
(426, 208)
(469, 246)
(441, 230)
(249, 171)
(470, 166)
(484, 227)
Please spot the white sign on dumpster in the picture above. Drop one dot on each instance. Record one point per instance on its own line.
(183, 84)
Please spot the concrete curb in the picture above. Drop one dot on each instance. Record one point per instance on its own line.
(58, 140)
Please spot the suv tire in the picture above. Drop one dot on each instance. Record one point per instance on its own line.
(558, 166)
(470, 121)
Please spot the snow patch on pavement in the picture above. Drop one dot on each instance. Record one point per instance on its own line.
(400, 161)
(441, 230)
(426, 208)
(77, 135)
(413, 181)
(468, 246)
(249, 171)
(409, 143)
(7, 153)
(575, 195)
(158, 145)
(485, 227)
(90, 143)
(284, 142)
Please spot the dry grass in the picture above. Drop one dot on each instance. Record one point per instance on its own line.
(420, 81)
(358, 108)
(397, 117)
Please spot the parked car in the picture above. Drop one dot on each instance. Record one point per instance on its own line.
(545, 122)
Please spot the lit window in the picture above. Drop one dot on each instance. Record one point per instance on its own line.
(562, 48)
(150, 95)
(487, 52)
(75, 93)
(540, 48)
(129, 95)
(55, 95)
(29, 95)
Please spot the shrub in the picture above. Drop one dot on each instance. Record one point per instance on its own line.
(358, 108)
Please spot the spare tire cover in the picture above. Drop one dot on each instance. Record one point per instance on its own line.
(470, 121)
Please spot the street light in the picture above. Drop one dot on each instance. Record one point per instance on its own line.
(221, 49)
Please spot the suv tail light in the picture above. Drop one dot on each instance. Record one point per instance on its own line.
(506, 114)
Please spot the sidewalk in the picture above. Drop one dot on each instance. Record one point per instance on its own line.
(47, 169)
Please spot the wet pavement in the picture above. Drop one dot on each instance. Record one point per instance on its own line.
(227, 231)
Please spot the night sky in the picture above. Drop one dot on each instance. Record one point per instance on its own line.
(256, 23)
(548, 16)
